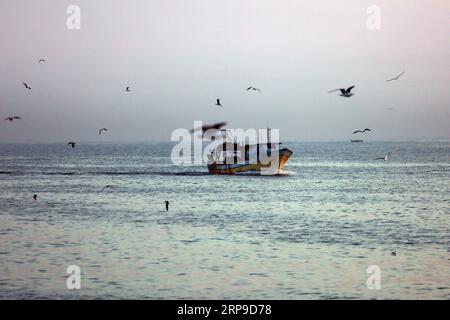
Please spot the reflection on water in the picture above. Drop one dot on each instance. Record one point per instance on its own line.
(309, 235)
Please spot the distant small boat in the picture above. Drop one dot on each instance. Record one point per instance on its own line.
(356, 140)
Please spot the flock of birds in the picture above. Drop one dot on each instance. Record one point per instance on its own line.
(72, 144)
(344, 92)
(347, 93)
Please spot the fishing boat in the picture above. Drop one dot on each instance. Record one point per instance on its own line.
(257, 159)
(356, 140)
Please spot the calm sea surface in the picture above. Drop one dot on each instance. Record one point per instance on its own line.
(310, 235)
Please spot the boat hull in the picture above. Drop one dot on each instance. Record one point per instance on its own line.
(253, 168)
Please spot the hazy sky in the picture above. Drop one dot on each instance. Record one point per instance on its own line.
(178, 56)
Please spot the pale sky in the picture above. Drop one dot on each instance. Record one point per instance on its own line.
(179, 56)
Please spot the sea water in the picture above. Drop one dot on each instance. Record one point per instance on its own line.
(310, 235)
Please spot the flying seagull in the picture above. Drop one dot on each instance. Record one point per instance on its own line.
(218, 103)
(344, 92)
(35, 196)
(167, 205)
(254, 89)
(41, 60)
(26, 86)
(361, 131)
(206, 127)
(385, 158)
(12, 118)
(101, 130)
(127, 89)
(396, 78)
(71, 143)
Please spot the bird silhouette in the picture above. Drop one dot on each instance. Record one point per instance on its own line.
(26, 86)
(12, 118)
(393, 253)
(127, 89)
(361, 131)
(35, 196)
(101, 130)
(167, 205)
(254, 89)
(396, 78)
(71, 143)
(41, 60)
(218, 103)
(344, 92)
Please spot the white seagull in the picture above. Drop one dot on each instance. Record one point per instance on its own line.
(385, 158)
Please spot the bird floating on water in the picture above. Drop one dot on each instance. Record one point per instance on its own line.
(396, 78)
(362, 131)
(254, 89)
(101, 130)
(35, 196)
(71, 143)
(26, 86)
(167, 205)
(218, 103)
(344, 92)
(12, 118)
(385, 158)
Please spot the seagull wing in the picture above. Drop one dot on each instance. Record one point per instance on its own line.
(349, 89)
(333, 90)
(16, 117)
(400, 75)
